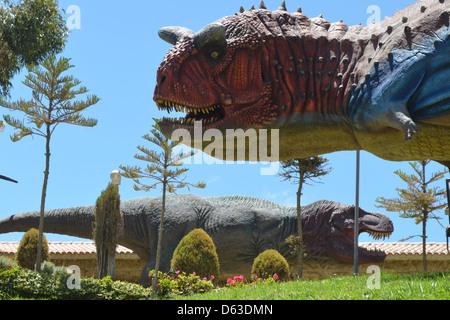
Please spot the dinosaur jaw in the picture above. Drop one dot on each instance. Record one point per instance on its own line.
(210, 116)
(221, 116)
(343, 251)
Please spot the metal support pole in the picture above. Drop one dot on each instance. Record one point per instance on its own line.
(447, 211)
(356, 229)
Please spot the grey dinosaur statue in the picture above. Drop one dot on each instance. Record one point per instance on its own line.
(240, 226)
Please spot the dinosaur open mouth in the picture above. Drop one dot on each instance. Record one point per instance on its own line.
(209, 116)
(344, 251)
(376, 235)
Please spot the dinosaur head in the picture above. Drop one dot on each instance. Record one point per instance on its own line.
(337, 223)
(212, 77)
(257, 69)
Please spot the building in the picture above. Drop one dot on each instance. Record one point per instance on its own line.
(83, 254)
(402, 257)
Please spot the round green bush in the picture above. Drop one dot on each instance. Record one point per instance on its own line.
(196, 252)
(27, 252)
(270, 262)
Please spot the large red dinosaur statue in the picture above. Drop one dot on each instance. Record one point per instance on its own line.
(383, 88)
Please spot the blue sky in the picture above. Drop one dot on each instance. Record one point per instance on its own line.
(116, 53)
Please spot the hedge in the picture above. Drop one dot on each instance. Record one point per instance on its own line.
(24, 283)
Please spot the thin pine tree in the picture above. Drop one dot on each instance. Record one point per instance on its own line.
(419, 200)
(302, 171)
(52, 103)
(160, 170)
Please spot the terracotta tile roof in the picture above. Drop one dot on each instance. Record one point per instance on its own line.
(406, 248)
(59, 247)
(86, 247)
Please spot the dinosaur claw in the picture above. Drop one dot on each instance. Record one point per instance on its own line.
(402, 122)
(410, 130)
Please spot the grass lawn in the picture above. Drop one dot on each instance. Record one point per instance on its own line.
(17, 284)
(423, 286)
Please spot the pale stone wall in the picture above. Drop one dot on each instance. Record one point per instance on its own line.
(129, 266)
(404, 264)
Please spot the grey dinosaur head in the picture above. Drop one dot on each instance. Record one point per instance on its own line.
(334, 231)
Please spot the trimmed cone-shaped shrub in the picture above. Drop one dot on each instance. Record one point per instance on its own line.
(196, 252)
(27, 252)
(107, 226)
(270, 262)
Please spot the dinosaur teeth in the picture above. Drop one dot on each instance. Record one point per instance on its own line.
(170, 106)
(379, 235)
(204, 115)
(190, 121)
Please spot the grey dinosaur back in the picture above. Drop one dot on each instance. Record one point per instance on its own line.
(251, 202)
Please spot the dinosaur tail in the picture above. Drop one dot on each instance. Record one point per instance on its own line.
(75, 222)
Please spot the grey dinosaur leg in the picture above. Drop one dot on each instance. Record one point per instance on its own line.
(145, 280)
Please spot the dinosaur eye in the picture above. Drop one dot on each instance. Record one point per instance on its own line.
(215, 55)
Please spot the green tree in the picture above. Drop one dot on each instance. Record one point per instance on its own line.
(51, 104)
(160, 171)
(30, 31)
(302, 171)
(419, 200)
(107, 226)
